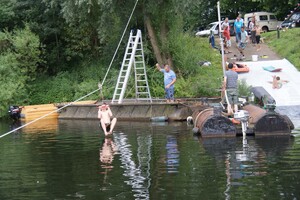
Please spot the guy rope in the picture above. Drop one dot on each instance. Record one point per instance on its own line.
(99, 88)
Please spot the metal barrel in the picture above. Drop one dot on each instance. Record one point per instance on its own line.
(255, 113)
(268, 123)
(211, 124)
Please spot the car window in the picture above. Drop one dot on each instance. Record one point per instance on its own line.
(209, 26)
(295, 17)
(217, 27)
(272, 17)
(263, 18)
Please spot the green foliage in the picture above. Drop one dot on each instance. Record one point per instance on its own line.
(196, 80)
(287, 46)
(19, 58)
(243, 88)
(7, 14)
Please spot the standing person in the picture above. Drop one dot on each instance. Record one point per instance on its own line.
(211, 40)
(226, 35)
(169, 80)
(257, 36)
(238, 24)
(241, 18)
(105, 115)
(243, 43)
(253, 30)
(225, 24)
(231, 86)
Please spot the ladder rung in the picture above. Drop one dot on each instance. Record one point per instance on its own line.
(141, 80)
(139, 68)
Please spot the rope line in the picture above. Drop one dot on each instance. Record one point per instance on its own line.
(104, 79)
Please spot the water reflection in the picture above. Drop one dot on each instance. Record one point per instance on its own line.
(138, 172)
(172, 158)
(245, 160)
(107, 152)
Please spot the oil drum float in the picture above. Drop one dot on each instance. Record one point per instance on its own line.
(211, 124)
(268, 123)
(272, 124)
(255, 113)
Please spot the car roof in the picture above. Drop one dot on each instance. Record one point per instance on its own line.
(260, 13)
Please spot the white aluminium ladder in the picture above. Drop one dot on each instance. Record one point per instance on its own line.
(134, 56)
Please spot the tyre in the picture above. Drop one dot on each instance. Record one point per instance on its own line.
(265, 29)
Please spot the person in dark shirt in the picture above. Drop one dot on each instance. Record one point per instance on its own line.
(231, 85)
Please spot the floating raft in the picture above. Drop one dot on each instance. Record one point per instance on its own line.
(211, 123)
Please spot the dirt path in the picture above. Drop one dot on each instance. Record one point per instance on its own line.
(264, 54)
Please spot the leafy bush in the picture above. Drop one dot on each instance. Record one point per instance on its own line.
(19, 57)
(243, 88)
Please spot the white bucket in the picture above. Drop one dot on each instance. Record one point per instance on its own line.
(254, 57)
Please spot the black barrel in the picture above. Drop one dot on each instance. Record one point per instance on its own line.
(211, 124)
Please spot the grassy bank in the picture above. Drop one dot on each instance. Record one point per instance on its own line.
(287, 45)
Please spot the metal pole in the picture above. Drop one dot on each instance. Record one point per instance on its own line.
(221, 40)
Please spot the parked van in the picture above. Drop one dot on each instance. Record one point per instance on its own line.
(267, 21)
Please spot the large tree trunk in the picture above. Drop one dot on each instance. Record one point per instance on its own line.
(153, 40)
(164, 41)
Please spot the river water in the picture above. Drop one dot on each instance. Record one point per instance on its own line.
(70, 159)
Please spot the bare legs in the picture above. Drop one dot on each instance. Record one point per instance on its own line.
(231, 111)
(112, 126)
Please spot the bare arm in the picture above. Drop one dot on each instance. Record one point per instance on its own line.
(99, 114)
(169, 85)
(224, 82)
(158, 67)
(109, 112)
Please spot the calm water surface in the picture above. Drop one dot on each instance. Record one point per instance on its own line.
(71, 159)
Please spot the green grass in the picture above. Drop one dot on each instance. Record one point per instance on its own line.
(287, 45)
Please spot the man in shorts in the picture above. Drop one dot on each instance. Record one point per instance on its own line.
(231, 85)
(243, 43)
(105, 115)
(169, 80)
(257, 36)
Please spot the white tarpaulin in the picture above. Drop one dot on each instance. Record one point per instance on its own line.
(289, 94)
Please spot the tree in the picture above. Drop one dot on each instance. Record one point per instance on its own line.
(19, 59)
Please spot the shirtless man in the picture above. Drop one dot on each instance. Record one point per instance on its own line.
(257, 37)
(105, 114)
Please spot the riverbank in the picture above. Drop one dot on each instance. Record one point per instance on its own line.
(287, 45)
